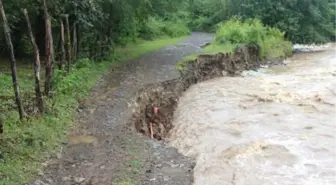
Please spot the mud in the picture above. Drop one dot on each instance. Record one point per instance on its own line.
(165, 95)
(102, 149)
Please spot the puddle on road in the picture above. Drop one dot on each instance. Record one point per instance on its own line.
(272, 127)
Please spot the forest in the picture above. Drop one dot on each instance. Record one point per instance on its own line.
(53, 52)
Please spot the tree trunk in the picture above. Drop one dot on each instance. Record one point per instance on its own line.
(37, 65)
(78, 47)
(74, 44)
(63, 57)
(12, 62)
(1, 126)
(68, 44)
(49, 51)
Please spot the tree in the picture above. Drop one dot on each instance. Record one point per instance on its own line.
(49, 50)
(63, 56)
(12, 61)
(37, 66)
(304, 21)
(68, 41)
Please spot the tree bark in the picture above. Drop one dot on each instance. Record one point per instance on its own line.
(68, 44)
(49, 51)
(37, 65)
(1, 126)
(63, 57)
(74, 44)
(12, 62)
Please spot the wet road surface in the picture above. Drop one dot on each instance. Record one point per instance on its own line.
(101, 145)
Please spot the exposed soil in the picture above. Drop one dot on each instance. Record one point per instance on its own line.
(163, 96)
(102, 149)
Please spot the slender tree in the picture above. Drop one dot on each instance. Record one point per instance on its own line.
(12, 61)
(68, 43)
(37, 65)
(63, 57)
(1, 126)
(74, 44)
(48, 49)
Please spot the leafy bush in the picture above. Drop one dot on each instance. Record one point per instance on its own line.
(156, 28)
(270, 40)
(197, 23)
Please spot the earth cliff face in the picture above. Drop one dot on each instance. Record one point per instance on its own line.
(164, 95)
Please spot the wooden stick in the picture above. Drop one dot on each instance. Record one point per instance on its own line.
(151, 130)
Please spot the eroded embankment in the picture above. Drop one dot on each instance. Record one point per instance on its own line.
(164, 96)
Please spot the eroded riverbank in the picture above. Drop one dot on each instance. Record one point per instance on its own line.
(275, 126)
(102, 149)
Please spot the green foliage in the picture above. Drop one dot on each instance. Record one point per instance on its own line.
(203, 13)
(24, 146)
(302, 21)
(196, 23)
(132, 50)
(100, 23)
(308, 21)
(235, 32)
(157, 27)
(270, 40)
(108, 22)
(210, 49)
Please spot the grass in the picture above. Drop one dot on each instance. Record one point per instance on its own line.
(24, 146)
(142, 47)
(210, 49)
(235, 32)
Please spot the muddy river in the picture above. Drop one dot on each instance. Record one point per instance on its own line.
(275, 126)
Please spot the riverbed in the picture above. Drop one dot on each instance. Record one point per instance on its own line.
(274, 126)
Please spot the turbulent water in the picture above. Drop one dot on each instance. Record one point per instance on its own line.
(271, 127)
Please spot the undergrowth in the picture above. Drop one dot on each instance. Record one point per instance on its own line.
(234, 32)
(210, 49)
(25, 146)
(271, 41)
(141, 47)
(157, 27)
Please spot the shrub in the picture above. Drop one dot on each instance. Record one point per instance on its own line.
(197, 23)
(156, 28)
(270, 40)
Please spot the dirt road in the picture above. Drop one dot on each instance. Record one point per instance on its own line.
(102, 149)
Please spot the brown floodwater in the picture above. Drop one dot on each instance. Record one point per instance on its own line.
(275, 126)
